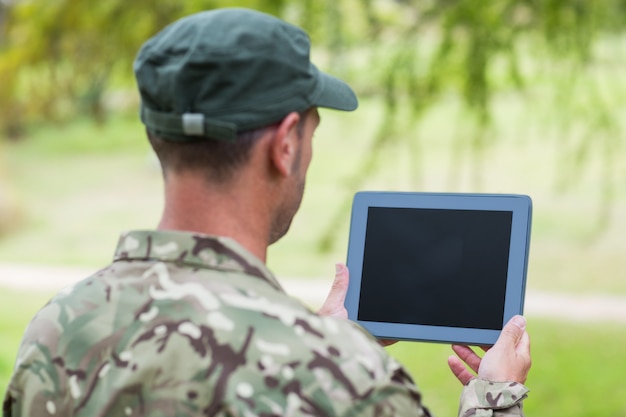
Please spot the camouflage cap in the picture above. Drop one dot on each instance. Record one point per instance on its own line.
(219, 72)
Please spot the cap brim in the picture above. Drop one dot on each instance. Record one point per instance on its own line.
(333, 93)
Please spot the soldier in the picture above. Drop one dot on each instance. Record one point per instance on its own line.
(187, 320)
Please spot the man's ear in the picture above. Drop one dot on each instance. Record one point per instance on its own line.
(285, 143)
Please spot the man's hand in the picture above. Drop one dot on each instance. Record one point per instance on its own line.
(508, 360)
(334, 304)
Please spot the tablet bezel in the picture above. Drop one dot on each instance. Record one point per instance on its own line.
(521, 208)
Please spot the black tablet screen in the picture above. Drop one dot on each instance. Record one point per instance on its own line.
(435, 267)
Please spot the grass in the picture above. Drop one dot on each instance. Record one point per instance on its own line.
(78, 185)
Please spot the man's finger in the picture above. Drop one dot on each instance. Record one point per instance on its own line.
(387, 342)
(468, 356)
(459, 370)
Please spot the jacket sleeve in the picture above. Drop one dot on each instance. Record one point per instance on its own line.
(482, 398)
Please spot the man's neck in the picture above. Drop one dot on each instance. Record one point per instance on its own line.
(192, 205)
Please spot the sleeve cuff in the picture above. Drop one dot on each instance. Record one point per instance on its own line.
(481, 397)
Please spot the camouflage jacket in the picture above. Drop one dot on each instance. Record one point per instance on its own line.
(182, 324)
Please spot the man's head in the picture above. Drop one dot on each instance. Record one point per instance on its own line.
(222, 76)
(230, 96)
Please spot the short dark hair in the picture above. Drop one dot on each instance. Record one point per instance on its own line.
(218, 159)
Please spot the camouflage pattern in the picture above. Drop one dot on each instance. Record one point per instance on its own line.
(483, 398)
(182, 324)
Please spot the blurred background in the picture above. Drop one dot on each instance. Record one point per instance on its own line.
(500, 96)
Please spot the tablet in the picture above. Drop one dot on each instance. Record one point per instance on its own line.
(437, 267)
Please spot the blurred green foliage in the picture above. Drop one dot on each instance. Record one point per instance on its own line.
(63, 58)
(60, 57)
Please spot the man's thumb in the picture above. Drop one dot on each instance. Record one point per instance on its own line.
(514, 330)
(340, 284)
(334, 304)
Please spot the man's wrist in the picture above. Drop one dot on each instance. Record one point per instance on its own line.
(481, 397)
